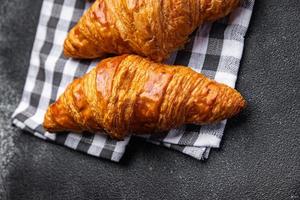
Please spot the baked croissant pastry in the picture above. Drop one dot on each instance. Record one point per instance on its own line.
(130, 94)
(149, 28)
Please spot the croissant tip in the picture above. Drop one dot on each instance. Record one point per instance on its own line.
(65, 49)
(49, 124)
(241, 104)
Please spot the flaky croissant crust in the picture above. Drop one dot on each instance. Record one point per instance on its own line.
(150, 28)
(130, 94)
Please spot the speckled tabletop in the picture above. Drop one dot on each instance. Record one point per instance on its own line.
(259, 156)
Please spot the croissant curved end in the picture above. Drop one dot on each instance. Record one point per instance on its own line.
(229, 103)
(239, 104)
(49, 124)
(75, 47)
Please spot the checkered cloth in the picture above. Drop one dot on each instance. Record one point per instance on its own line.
(215, 49)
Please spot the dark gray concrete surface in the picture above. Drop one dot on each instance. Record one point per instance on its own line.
(259, 156)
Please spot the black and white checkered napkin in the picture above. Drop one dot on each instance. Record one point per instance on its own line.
(215, 50)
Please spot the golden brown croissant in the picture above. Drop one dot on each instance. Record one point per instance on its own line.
(150, 28)
(130, 94)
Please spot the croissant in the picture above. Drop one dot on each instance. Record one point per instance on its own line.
(130, 94)
(149, 28)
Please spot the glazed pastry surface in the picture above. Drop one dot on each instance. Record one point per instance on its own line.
(149, 28)
(130, 94)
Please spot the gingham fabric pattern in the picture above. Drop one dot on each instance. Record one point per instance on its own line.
(215, 49)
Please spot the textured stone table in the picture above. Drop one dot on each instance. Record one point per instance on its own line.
(259, 156)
